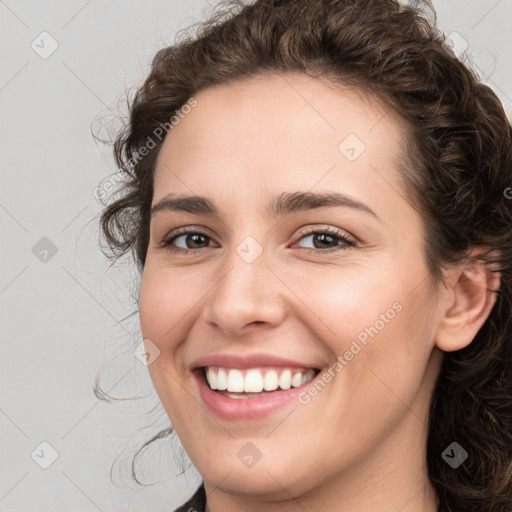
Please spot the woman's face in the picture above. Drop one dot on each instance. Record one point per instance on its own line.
(276, 279)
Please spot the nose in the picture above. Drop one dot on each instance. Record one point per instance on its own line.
(247, 296)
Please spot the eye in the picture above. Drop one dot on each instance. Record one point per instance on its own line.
(327, 240)
(192, 239)
(323, 240)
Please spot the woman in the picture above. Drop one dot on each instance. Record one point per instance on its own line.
(316, 197)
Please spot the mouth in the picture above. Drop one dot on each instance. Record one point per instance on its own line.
(246, 383)
(250, 387)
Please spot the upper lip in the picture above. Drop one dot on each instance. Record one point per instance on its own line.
(249, 361)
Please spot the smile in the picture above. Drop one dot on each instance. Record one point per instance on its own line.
(250, 382)
(241, 394)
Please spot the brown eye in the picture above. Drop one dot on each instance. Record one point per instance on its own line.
(327, 240)
(194, 239)
(189, 240)
(324, 240)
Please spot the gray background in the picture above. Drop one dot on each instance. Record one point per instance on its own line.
(62, 314)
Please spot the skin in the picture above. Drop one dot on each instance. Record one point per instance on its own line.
(359, 445)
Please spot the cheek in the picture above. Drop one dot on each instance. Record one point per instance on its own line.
(375, 319)
(380, 333)
(166, 302)
(165, 306)
(349, 300)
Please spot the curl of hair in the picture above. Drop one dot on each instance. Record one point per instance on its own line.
(457, 166)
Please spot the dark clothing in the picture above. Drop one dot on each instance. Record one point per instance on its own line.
(195, 504)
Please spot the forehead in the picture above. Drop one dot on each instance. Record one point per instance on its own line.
(280, 131)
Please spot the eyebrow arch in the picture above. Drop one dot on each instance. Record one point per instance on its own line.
(303, 201)
(284, 204)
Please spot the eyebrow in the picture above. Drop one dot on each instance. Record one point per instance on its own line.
(285, 204)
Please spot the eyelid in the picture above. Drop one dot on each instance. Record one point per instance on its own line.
(186, 230)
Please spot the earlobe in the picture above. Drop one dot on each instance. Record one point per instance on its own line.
(469, 301)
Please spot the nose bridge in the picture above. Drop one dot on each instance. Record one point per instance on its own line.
(247, 291)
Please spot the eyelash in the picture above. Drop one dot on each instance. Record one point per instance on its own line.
(346, 242)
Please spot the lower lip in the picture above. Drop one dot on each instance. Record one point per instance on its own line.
(246, 408)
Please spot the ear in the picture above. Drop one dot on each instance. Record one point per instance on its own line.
(466, 303)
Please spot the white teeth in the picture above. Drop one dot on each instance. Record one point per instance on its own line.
(222, 379)
(271, 381)
(253, 382)
(297, 380)
(256, 380)
(212, 378)
(235, 381)
(285, 381)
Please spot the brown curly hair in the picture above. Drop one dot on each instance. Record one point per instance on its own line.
(460, 156)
